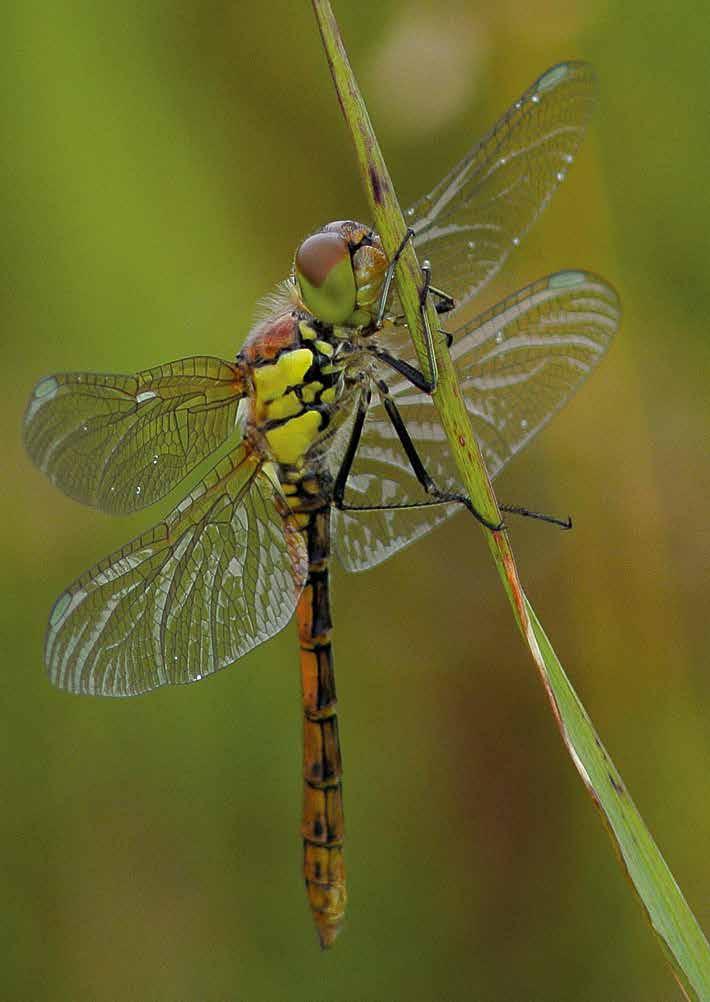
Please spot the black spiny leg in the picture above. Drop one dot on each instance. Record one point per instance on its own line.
(410, 373)
(444, 302)
(351, 451)
(428, 339)
(389, 275)
(512, 509)
(419, 469)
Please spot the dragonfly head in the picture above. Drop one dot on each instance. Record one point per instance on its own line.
(338, 273)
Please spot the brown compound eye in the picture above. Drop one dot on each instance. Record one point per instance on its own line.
(325, 278)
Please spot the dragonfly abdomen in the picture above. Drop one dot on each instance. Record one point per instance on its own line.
(322, 828)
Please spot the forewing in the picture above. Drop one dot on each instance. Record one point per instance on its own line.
(220, 575)
(121, 442)
(517, 365)
(520, 362)
(468, 225)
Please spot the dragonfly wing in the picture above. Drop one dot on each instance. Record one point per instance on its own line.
(363, 539)
(521, 361)
(468, 225)
(220, 575)
(517, 365)
(121, 442)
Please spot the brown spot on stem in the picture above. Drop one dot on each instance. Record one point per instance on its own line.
(617, 785)
(376, 185)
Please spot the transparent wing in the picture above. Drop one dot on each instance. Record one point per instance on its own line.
(468, 225)
(120, 442)
(363, 539)
(517, 365)
(220, 575)
(522, 360)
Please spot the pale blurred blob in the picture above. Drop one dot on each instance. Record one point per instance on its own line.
(424, 70)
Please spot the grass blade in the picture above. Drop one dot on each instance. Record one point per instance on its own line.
(671, 919)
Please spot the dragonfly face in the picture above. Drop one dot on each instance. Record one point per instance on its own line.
(339, 273)
(340, 445)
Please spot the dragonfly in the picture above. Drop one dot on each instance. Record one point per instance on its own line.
(327, 442)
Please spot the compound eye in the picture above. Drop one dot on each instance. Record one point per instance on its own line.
(325, 278)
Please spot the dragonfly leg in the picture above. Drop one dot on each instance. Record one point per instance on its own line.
(401, 321)
(389, 276)
(563, 523)
(445, 303)
(410, 373)
(419, 469)
(350, 452)
(428, 339)
(414, 506)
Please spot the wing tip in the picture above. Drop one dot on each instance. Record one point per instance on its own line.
(563, 71)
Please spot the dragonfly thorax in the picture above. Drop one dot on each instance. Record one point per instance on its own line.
(338, 273)
(295, 369)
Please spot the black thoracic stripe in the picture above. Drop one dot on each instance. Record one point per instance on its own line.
(314, 373)
(321, 409)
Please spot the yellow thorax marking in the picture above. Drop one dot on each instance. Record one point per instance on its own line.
(289, 369)
(290, 442)
(284, 407)
(310, 391)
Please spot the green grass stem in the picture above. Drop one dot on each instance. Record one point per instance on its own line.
(670, 917)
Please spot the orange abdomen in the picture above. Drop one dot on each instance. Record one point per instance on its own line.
(322, 828)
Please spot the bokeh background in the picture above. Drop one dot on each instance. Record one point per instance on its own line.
(160, 163)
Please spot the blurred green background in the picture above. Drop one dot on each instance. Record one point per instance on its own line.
(160, 163)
